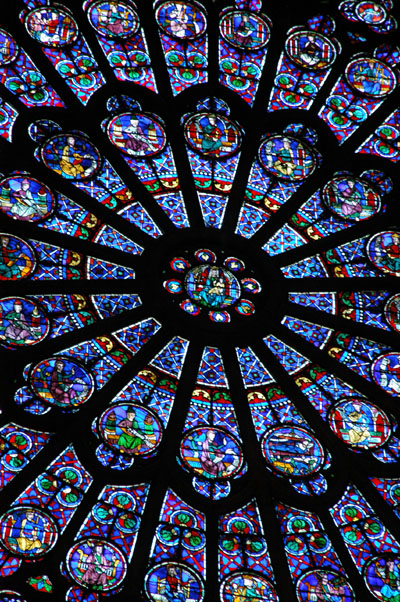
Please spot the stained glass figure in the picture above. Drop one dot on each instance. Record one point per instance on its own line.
(374, 15)
(56, 30)
(21, 77)
(105, 542)
(75, 158)
(213, 147)
(122, 39)
(183, 27)
(359, 92)
(284, 161)
(141, 138)
(244, 36)
(342, 202)
(177, 563)
(304, 65)
(313, 562)
(373, 548)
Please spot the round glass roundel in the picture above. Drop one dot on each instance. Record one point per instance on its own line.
(172, 577)
(62, 382)
(287, 158)
(292, 451)
(351, 198)
(392, 312)
(384, 251)
(113, 19)
(245, 30)
(211, 453)
(246, 585)
(71, 156)
(23, 322)
(136, 134)
(386, 372)
(9, 48)
(381, 576)
(51, 26)
(371, 77)
(212, 135)
(96, 564)
(212, 286)
(17, 258)
(359, 423)
(310, 50)
(25, 198)
(27, 532)
(181, 20)
(130, 429)
(326, 584)
(371, 13)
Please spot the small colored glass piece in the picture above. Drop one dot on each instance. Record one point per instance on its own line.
(179, 264)
(173, 286)
(250, 285)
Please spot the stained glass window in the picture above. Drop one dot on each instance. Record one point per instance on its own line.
(200, 303)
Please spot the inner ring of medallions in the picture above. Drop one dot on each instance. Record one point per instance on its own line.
(153, 271)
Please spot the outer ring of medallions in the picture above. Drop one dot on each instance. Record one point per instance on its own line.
(153, 269)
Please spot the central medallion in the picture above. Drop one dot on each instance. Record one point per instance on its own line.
(212, 286)
(208, 285)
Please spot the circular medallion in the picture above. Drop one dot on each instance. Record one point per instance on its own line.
(62, 382)
(386, 372)
(189, 307)
(243, 585)
(212, 135)
(359, 423)
(251, 285)
(322, 584)
(205, 256)
(287, 158)
(173, 286)
(234, 264)
(179, 264)
(245, 307)
(181, 20)
(292, 451)
(71, 156)
(113, 19)
(371, 13)
(25, 198)
(96, 564)
(27, 532)
(211, 453)
(22, 322)
(130, 429)
(51, 26)
(212, 286)
(381, 574)
(17, 258)
(137, 134)
(371, 77)
(351, 198)
(383, 250)
(165, 579)
(244, 30)
(9, 48)
(310, 50)
(392, 312)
